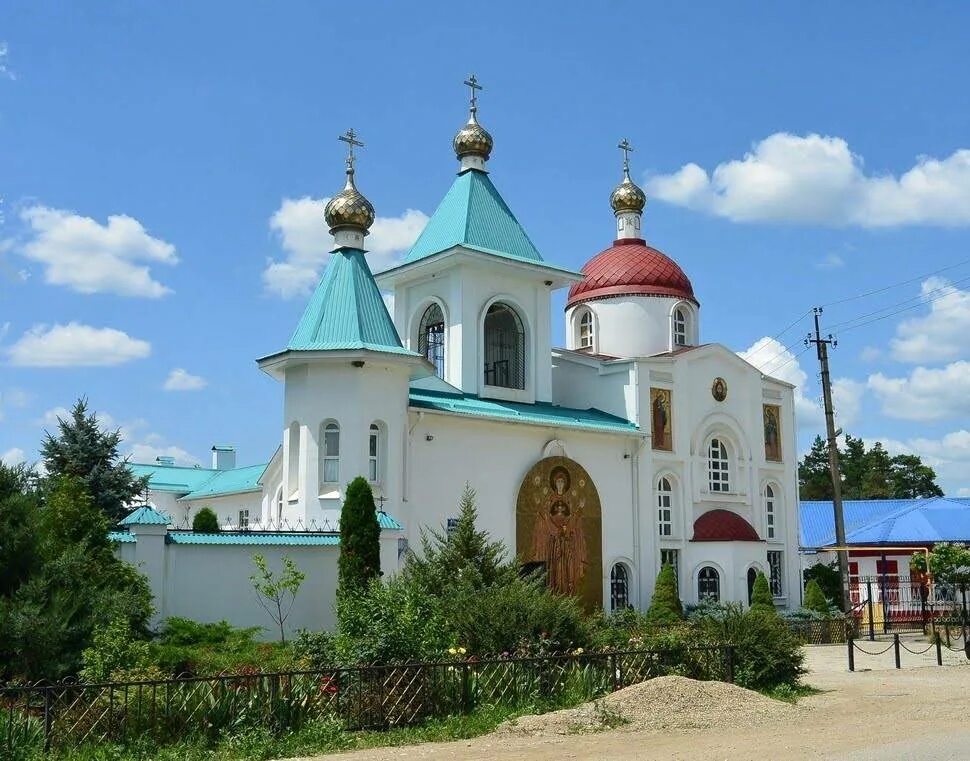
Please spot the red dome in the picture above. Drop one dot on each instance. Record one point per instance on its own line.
(723, 526)
(631, 268)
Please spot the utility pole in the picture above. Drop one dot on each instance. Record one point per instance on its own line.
(822, 349)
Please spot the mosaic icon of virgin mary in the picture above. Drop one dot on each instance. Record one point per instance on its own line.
(558, 539)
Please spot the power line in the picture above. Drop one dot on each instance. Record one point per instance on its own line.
(919, 300)
(894, 285)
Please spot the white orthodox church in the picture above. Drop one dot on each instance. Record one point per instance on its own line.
(596, 456)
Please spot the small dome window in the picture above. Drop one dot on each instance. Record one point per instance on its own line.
(679, 320)
(586, 330)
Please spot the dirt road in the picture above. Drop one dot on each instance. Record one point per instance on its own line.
(919, 712)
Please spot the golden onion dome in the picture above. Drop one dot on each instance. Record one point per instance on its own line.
(349, 208)
(627, 196)
(473, 139)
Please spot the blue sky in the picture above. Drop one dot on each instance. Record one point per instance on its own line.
(163, 165)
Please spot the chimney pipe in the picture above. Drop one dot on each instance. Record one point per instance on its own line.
(223, 457)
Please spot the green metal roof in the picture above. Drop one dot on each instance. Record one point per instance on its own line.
(122, 537)
(346, 311)
(295, 539)
(386, 521)
(540, 413)
(171, 478)
(229, 482)
(145, 516)
(474, 215)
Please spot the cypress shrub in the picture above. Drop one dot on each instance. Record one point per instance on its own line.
(205, 521)
(665, 607)
(761, 598)
(360, 535)
(815, 598)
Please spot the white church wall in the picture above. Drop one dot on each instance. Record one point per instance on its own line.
(168, 504)
(583, 382)
(630, 326)
(228, 507)
(353, 398)
(494, 458)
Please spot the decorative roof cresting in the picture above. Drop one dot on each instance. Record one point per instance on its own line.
(349, 209)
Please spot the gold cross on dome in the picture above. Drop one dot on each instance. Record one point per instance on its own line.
(627, 150)
(350, 137)
(473, 85)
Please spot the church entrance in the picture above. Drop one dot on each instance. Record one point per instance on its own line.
(752, 577)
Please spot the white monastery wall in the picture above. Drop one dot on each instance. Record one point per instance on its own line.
(631, 326)
(584, 382)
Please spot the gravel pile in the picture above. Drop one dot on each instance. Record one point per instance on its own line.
(667, 702)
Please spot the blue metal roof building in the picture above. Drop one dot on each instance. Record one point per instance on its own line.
(887, 521)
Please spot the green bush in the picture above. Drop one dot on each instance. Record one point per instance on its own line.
(665, 608)
(761, 598)
(767, 653)
(815, 598)
(203, 649)
(829, 580)
(113, 650)
(205, 522)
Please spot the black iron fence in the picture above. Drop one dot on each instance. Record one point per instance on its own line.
(890, 603)
(69, 715)
(824, 631)
(898, 646)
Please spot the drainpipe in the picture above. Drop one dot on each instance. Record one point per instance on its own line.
(635, 490)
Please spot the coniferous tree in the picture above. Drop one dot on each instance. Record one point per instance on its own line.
(761, 598)
(665, 607)
(205, 522)
(360, 534)
(82, 450)
(813, 472)
(19, 503)
(815, 598)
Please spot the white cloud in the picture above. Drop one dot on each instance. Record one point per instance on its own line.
(926, 394)
(830, 262)
(941, 335)
(88, 257)
(13, 456)
(818, 180)
(870, 353)
(773, 359)
(76, 345)
(181, 380)
(949, 456)
(148, 452)
(304, 237)
(5, 71)
(13, 398)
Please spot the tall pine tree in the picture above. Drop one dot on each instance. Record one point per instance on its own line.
(360, 540)
(82, 450)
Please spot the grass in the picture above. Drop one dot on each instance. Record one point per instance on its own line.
(314, 739)
(791, 694)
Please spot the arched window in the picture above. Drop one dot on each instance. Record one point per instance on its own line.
(431, 338)
(279, 505)
(293, 459)
(373, 453)
(331, 453)
(619, 587)
(586, 330)
(679, 325)
(752, 578)
(504, 347)
(769, 512)
(708, 584)
(665, 521)
(718, 466)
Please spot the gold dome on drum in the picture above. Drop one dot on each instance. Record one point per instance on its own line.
(627, 196)
(349, 208)
(473, 139)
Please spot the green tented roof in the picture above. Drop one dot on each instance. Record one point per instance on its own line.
(474, 215)
(229, 482)
(346, 311)
(145, 516)
(540, 413)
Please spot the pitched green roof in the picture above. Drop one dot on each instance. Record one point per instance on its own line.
(346, 311)
(171, 478)
(229, 482)
(540, 413)
(144, 516)
(474, 215)
(192, 482)
(122, 537)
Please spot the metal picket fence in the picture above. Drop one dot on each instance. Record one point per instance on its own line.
(67, 715)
